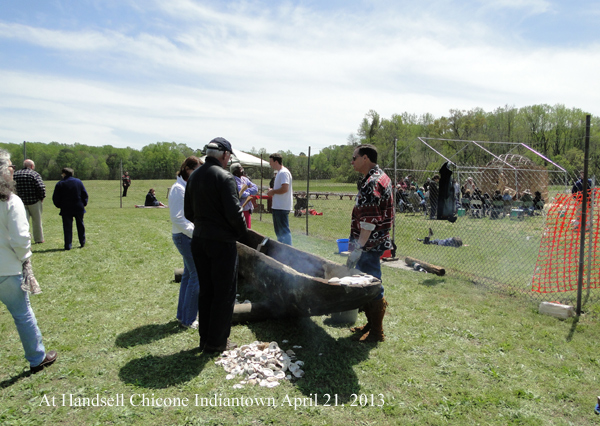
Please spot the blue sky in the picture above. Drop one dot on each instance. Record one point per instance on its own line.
(280, 75)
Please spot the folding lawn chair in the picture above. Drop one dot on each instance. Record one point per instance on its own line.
(476, 209)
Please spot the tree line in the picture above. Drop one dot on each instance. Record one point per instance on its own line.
(555, 131)
(159, 160)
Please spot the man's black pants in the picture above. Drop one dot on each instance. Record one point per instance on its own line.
(67, 221)
(216, 263)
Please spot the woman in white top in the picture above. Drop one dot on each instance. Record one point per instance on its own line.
(15, 251)
(182, 229)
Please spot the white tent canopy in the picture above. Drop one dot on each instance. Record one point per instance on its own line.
(248, 160)
(245, 160)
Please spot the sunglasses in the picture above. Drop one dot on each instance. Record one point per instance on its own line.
(12, 166)
(354, 157)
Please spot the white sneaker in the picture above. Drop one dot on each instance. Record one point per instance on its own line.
(193, 325)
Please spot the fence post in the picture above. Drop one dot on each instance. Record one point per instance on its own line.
(394, 201)
(583, 220)
(307, 189)
(260, 211)
(121, 184)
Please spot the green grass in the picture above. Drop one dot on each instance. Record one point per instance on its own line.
(455, 352)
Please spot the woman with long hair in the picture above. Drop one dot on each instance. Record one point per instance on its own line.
(182, 229)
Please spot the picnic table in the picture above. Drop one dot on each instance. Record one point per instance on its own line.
(256, 203)
(318, 195)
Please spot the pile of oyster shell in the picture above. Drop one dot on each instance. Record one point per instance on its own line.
(354, 280)
(261, 363)
(237, 302)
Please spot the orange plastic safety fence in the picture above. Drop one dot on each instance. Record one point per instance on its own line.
(557, 266)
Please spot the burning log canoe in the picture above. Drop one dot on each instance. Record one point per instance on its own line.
(294, 283)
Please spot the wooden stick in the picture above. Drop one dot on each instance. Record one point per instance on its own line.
(432, 269)
(248, 199)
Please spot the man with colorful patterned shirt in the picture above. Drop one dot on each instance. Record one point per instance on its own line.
(32, 191)
(372, 218)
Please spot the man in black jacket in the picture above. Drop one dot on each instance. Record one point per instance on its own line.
(211, 202)
(71, 198)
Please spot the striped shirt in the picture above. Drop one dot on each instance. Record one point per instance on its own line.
(30, 186)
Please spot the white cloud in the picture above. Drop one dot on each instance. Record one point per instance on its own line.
(532, 6)
(280, 79)
(59, 40)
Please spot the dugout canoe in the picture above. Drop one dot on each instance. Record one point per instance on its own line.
(293, 283)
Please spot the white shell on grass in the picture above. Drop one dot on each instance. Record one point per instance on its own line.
(260, 363)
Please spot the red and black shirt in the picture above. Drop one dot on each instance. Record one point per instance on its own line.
(374, 205)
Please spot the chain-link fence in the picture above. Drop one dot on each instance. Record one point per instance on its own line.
(516, 216)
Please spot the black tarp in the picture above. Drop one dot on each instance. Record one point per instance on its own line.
(446, 207)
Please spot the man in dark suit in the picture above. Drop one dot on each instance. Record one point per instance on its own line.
(71, 198)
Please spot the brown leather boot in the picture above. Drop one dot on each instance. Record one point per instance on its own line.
(377, 310)
(364, 328)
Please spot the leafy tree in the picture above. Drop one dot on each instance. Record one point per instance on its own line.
(556, 131)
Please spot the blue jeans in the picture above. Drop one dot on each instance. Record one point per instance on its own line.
(448, 242)
(281, 223)
(187, 307)
(369, 263)
(17, 302)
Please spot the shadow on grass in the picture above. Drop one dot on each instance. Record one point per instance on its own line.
(430, 282)
(336, 324)
(47, 250)
(9, 382)
(159, 372)
(147, 334)
(328, 362)
(573, 328)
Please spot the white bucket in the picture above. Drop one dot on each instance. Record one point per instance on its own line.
(346, 317)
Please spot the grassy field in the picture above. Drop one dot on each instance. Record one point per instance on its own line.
(455, 352)
(502, 252)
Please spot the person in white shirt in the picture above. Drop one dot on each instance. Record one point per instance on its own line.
(16, 276)
(282, 194)
(183, 229)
